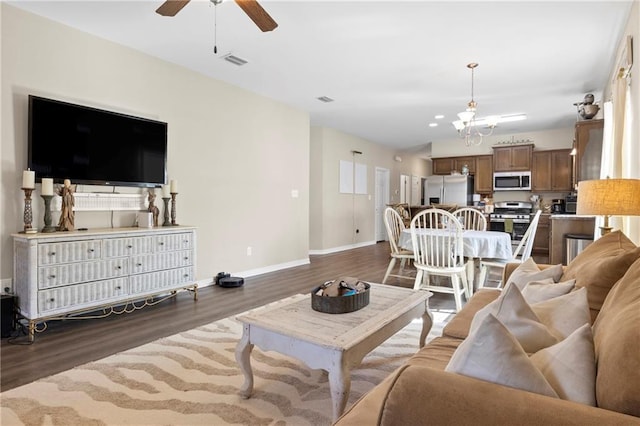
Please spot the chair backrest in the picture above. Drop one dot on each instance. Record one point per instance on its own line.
(523, 251)
(471, 218)
(437, 239)
(394, 224)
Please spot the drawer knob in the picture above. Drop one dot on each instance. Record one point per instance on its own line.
(186, 258)
(129, 246)
(118, 288)
(52, 300)
(52, 276)
(161, 243)
(53, 253)
(138, 264)
(118, 267)
(186, 275)
(91, 250)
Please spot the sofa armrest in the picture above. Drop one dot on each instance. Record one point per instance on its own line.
(416, 395)
(510, 267)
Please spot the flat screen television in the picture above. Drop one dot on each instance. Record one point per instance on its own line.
(94, 146)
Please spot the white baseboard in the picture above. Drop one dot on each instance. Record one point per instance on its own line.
(6, 283)
(342, 248)
(271, 268)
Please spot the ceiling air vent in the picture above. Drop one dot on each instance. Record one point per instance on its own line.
(325, 99)
(235, 60)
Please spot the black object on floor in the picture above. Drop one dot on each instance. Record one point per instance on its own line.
(7, 315)
(231, 282)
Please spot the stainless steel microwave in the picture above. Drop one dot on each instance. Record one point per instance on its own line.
(512, 181)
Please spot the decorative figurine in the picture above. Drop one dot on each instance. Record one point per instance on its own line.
(152, 207)
(66, 222)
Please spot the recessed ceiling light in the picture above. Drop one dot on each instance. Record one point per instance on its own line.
(439, 117)
(433, 124)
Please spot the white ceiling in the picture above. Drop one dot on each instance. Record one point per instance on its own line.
(391, 66)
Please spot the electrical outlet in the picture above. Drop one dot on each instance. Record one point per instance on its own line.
(249, 250)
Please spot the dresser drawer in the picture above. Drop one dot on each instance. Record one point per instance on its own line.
(159, 261)
(71, 273)
(172, 242)
(121, 247)
(81, 295)
(67, 252)
(148, 283)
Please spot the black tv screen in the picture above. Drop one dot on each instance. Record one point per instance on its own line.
(94, 146)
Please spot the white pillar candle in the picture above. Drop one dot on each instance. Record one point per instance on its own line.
(174, 186)
(165, 191)
(29, 179)
(47, 186)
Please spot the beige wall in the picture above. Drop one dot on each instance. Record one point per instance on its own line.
(237, 156)
(335, 216)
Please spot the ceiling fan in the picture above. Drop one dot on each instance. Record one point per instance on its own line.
(251, 7)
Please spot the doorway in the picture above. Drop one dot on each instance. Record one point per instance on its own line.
(382, 199)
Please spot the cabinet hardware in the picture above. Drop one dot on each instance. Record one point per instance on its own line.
(138, 264)
(161, 243)
(52, 300)
(53, 253)
(129, 246)
(91, 250)
(52, 276)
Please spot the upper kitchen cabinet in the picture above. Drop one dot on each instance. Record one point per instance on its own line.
(512, 158)
(588, 149)
(484, 174)
(443, 166)
(460, 162)
(551, 171)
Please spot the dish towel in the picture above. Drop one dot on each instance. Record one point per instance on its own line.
(508, 226)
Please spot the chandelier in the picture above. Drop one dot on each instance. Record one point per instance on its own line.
(467, 125)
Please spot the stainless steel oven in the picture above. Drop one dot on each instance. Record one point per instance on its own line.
(513, 217)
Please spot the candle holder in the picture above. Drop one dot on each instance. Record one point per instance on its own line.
(166, 211)
(173, 208)
(47, 214)
(28, 213)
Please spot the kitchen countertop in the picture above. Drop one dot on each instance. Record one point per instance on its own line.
(571, 216)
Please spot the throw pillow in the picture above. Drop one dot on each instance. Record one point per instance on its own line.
(529, 271)
(564, 314)
(570, 366)
(494, 355)
(599, 266)
(516, 315)
(538, 291)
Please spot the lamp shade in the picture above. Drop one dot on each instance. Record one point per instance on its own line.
(612, 197)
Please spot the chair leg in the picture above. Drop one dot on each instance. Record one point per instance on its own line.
(418, 281)
(457, 291)
(466, 285)
(483, 275)
(392, 263)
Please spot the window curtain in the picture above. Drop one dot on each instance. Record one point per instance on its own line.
(617, 150)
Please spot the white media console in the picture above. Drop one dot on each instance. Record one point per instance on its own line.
(64, 274)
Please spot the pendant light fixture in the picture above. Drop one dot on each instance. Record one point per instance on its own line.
(467, 125)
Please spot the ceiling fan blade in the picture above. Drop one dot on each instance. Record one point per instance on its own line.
(171, 7)
(258, 15)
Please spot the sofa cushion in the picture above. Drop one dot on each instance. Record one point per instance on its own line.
(529, 271)
(563, 315)
(600, 265)
(459, 325)
(616, 334)
(570, 366)
(493, 354)
(518, 317)
(437, 353)
(539, 291)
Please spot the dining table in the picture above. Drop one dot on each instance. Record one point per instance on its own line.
(476, 245)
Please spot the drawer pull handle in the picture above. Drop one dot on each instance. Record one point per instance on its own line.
(53, 253)
(52, 300)
(91, 250)
(186, 275)
(129, 246)
(118, 267)
(52, 276)
(138, 264)
(118, 288)
(161, 243)
(186, 258)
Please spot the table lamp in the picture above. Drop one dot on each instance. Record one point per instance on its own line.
(609, 197)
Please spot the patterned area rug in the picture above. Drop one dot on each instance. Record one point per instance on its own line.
(192, 378)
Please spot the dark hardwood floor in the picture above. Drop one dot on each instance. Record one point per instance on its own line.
(69, 343)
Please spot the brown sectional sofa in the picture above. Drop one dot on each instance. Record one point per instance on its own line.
(421, 392)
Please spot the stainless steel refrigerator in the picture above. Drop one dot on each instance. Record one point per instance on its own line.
(450, 189)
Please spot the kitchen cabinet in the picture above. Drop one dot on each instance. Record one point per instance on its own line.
(443, 166)
(551, 171)
(588, 141)
(512, 158)
(484, 174)
(541, 240)
(460, 162)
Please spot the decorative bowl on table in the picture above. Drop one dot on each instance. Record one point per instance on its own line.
(342, 301)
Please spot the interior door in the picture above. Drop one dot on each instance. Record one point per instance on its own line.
(405, 193)
(416, 193)
(381, 201)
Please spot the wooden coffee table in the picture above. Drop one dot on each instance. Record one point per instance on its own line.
(332, 342)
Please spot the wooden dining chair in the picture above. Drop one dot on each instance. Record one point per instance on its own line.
(394, 224)
(438, 250)
(471, 218)
(520, 254)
